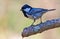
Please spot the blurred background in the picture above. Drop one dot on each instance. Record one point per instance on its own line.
(12, 21)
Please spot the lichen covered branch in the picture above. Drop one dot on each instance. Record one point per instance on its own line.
(34, 29)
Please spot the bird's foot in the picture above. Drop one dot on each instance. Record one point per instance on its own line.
(31, 24)
(41, 22)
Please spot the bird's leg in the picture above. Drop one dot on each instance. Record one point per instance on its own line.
(33, 22)
(41, 20)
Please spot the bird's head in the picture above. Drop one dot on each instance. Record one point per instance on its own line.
(25, 8)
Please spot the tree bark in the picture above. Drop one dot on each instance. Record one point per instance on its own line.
(39, 28)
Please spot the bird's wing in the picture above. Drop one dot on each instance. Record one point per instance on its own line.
(37, 10)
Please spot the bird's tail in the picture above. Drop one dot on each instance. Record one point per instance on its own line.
(51, 9)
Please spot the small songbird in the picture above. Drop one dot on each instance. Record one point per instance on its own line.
(34, 13)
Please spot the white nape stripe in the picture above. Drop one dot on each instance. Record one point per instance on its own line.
(27, 9)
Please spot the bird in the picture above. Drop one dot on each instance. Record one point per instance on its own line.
(33, 12)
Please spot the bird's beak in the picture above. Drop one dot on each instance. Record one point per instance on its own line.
(20, 9)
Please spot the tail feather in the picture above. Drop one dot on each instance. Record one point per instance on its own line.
(51, 9)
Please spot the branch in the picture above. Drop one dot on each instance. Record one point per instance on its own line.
(34, 29)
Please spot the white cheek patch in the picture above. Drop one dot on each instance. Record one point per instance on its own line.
(27, 9)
